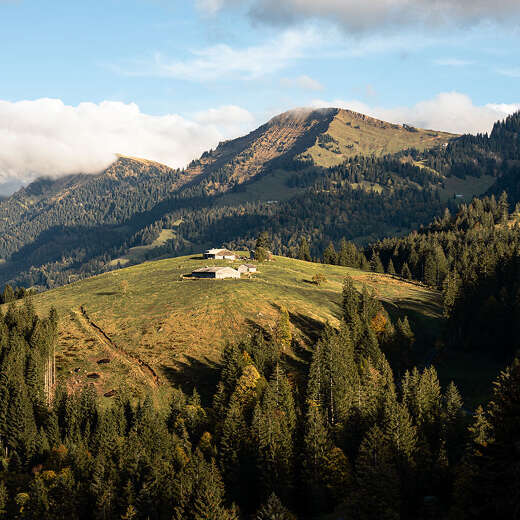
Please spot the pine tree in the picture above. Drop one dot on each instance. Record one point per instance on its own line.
(391, 269)
(405, 272)
(329, 255)
(378, 484)
(304, 252)
(282, 333)
(273, 509)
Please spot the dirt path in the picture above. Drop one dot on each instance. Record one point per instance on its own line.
(143, 366)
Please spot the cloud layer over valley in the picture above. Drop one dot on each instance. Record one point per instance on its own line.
(449, 111)
(47, 137)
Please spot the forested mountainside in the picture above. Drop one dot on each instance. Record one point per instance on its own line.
(474, 257)
(384, 180)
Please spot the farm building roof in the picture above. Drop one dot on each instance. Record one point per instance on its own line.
(219, 251)
(212, 269)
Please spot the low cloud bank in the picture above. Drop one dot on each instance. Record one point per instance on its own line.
(47, 137)
(448, 111)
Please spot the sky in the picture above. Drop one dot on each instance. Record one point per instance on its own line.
(169, 79)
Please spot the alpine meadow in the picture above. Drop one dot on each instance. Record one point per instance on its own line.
(223, 297)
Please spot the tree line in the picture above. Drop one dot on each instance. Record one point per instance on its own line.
(347, 434)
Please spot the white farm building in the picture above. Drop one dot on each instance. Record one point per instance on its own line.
(247, 268)
(220, 254)
(217, 273)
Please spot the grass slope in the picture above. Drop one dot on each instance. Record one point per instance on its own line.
(163, 330)
(351, 134)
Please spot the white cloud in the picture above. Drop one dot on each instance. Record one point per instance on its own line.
(453, 62)
(224, 61)
(449, 111)
(303, 82)
(368, 15)
(47, 137)
(511, 72)
(209, 6)
(230, 120)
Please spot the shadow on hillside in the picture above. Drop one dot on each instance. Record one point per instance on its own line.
(310, 328)
(194, 373)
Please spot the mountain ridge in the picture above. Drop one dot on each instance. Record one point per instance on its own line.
(320, 173)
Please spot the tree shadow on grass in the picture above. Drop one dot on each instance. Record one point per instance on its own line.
(194, 373)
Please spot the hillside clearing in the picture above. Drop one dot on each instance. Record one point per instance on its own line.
(178, 327)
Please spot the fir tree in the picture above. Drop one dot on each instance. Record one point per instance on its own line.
(273, 509)
(378, 485)
(282, 333)
(329, 255)
(405, 272)
(304, 252)
(391, 269)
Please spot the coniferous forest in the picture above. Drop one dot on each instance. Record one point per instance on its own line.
(364, 431)
(350, 434)
(226, 294)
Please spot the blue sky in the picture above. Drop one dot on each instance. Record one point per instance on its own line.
(167, 79)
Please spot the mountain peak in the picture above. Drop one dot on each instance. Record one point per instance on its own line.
(319, 136)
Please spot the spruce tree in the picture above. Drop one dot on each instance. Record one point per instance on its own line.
(317, 445)
(209, 495)
(375, 263)
(4, 499)
(263, 241)
(273, 509)
(304, 252)
(282, 333)
(329, 255)
(378, 493)
(391, 269)
(405, 272)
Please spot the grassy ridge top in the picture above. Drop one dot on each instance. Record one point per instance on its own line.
(350, 134)
(158, 329)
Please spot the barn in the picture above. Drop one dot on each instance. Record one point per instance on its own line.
(247, 268)
(216, 273)
(220, 254)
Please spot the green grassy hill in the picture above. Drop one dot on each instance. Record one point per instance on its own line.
(158, 329)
